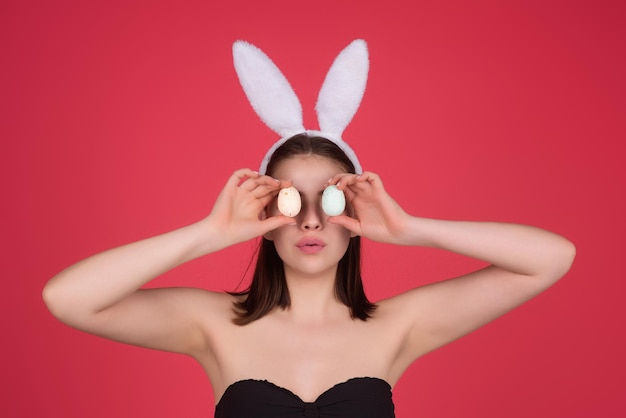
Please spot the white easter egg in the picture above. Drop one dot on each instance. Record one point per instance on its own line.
(289, 202)
(333, 201)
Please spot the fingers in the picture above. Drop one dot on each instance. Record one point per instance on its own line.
(351, 224)
(260, 186)
(359, 180)
(245, 177)
(274, 222)
(367, 185)
(370, 177)
(251, 183)
(250, 180)
(239, 176)
(250, 186)
(267, 197)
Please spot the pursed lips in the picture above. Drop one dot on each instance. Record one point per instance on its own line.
(310, 245)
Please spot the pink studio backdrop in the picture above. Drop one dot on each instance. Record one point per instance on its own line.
(121, 120)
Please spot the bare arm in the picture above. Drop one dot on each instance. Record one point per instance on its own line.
(520, 249)
(523, 261)
(101, 294)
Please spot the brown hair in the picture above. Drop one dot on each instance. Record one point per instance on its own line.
(269, 286)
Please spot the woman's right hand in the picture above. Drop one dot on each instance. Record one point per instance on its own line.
(239, 213)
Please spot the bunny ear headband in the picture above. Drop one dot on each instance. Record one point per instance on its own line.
(273, 99)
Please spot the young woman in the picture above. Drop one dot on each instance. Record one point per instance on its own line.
(304, 340)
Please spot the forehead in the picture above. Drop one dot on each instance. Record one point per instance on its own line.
(307, 170)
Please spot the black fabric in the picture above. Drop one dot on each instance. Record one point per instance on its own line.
(361, 397)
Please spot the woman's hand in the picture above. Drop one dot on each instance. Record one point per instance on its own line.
(239, 211)
(376, 215)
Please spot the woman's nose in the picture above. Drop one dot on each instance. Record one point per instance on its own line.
(311, 217)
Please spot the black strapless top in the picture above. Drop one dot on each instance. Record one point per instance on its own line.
(360, 397)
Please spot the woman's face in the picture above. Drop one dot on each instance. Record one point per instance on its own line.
(310, 246)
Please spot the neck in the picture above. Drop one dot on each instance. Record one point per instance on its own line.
(313, 298)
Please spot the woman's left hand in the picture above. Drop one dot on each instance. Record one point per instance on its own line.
(371, 212)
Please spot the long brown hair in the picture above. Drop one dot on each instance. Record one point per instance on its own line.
(269, 286)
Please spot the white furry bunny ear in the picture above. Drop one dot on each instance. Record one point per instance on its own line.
(277, 105)
(343, 89)
(267, 89)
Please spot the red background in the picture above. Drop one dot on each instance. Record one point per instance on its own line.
(121, 120)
